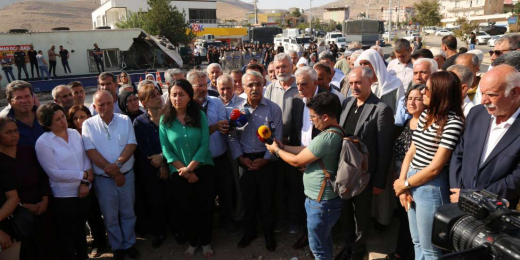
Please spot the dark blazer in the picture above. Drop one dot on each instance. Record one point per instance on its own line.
(295, 135)
(375, 128)
(500, 173)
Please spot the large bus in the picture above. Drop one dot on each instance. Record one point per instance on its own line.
(263, 35)
(367, 32)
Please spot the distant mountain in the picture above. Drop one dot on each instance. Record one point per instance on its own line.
(358, 6)
(4, 3)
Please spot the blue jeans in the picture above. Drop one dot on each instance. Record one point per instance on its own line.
(471, 46)
(8, 71)
(427, 198)
(321, 217)
(117, 207)
(42, 70)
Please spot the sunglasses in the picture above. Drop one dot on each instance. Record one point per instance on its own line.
(499, 52)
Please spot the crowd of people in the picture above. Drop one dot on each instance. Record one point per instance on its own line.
(139, 161)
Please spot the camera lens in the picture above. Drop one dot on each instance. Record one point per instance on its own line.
(464, 231)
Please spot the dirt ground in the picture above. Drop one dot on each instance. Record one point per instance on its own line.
(225, 246)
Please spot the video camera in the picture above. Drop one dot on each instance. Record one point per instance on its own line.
(474, 228)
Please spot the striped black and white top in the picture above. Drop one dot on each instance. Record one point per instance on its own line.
(427, 142)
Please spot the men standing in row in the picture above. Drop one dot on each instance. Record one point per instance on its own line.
(98, 58)
(19, 61)
(52, 60)
(366, 116)
(64, 55)
(256, 169)
(110, 143)
(34, 62)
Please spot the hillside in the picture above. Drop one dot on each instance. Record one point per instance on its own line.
(233, 9)
(45, 15)
(358, 6)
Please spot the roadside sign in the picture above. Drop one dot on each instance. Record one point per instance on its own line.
(512, 20)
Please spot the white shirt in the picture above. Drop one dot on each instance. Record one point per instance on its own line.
(338, 76)
(467, 106)
(402, 71)
(109, 140)
(116, 108)
(495, 133)
(306, 135)
(64, 162)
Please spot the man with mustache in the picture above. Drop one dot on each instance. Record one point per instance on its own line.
(256, 166)
(487, 154)
(282, 92)
(367, 117)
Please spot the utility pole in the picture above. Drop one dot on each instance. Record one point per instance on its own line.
(310, 18)
(398, 10)
(256, 12)
(389, 20)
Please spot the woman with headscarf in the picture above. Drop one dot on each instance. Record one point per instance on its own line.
(125, 79)
(151, 77)
(387, 87)
(129, 104)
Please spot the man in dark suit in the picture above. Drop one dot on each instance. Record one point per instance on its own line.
(367, 117)
(488, 154)
(301, 133)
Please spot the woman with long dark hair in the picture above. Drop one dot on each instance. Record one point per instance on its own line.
(184, 135)
(77, 115)
(423, 183)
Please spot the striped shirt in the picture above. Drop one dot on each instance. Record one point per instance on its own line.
(427, 142)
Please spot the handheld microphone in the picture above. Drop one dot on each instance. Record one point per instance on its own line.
(235, 114)
(264, 134)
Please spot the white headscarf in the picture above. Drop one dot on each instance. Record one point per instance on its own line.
(387, 82)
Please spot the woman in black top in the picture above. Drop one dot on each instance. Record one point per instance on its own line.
(414, 105)
(129, 104)
(8, 196)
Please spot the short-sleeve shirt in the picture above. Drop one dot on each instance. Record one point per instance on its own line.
(109, 140)
(327, 147)
(64, 55)
(427, 141)
(19, 58)
(280, 49)
(97, 56)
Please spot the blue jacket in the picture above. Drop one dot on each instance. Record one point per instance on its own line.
(500, 173)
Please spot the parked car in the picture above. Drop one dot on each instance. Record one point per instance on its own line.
(492, 40)
(412, 36)
(482, 37)
(387, 37)
(430, 30)
(443, 32)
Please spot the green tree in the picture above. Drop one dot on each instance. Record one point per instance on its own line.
(427, 13)
(464, 30)
(296, 13)
(161, 19)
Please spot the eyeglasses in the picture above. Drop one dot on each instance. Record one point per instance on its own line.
(499, 52)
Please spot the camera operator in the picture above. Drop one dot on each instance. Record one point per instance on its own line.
(487, 156)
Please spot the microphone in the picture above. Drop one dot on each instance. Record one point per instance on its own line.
(264, 134)
(235, 114)
(242, 120)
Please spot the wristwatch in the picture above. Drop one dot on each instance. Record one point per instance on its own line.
(407, 184)
(119, 164)
(86, 183)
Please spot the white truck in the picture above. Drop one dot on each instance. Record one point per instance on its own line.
(333, 37)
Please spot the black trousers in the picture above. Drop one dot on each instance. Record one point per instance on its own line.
(95, 222)
(289, 194)
(224, 188)
(52, 67)
(195, 201)
(257, 190)
(34, 65)
(98, 63)
(404, 247)
(355, 220)
(20, 68)
(71, 214)
(154, 195)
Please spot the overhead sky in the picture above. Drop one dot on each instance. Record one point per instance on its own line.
(286, 4)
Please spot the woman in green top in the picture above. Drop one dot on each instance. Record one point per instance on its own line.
(184, 135)
(324, 110)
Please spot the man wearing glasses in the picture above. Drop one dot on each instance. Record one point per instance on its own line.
(503, 45)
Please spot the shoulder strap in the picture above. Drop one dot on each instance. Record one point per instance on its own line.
(324, 183)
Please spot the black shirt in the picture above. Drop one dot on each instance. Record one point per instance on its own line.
(32, 55)
(19, 58)
(352, 119)
(450, 61)
(97, 56)
(64, 55)
(7, 183)
(280, 49)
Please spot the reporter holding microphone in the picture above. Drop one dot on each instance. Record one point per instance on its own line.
(323, 208)
(256, 168)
